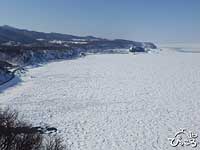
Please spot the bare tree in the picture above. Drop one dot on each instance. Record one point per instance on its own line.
(17, 135)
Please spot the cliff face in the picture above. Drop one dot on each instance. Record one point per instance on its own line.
(31, 57)
(4, 76)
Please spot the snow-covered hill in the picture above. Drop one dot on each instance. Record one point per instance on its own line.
(24, 47)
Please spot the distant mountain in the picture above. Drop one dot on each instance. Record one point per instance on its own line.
(8, 33)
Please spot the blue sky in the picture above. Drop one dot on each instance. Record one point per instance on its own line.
(141, 20)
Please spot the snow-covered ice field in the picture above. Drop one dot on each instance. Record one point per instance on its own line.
(113, 101)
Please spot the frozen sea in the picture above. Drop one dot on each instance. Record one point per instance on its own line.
(114, 101)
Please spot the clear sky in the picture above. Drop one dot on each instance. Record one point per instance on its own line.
(141, 20)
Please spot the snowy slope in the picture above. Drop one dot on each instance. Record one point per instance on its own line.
(4, 76)
(113, 102)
